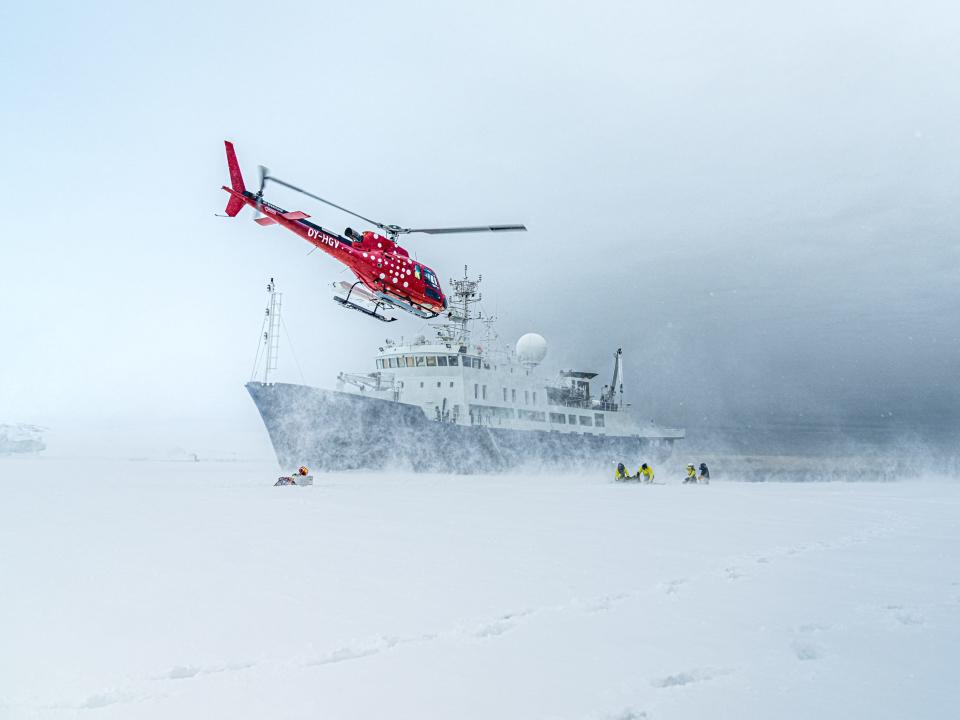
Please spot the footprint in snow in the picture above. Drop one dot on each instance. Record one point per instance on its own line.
(497, 627)
(184, 672)
(905, 616)
(627, 714)
(690, 677)
(345, 654)
(732, 573)
(672, 587)
(813, 628)
(806, 651)
(102, 700)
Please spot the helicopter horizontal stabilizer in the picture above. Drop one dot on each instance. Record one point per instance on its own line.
(265, 220)
(295, 215)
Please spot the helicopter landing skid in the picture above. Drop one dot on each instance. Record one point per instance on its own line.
(359, 308)
(348, 303)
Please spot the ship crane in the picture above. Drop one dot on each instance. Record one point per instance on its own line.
(371, 381)
(614, 391)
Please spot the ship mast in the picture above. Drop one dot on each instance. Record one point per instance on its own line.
(270, 333)
(464, 293)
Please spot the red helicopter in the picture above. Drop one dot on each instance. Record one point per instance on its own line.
(387, 276)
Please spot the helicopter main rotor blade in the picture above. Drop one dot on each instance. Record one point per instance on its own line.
(478, 228)
(278, 181)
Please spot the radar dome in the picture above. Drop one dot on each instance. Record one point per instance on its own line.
(531, 349)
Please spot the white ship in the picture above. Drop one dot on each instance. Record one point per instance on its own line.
(454, 402)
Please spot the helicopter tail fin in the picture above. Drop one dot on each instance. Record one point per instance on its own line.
(235, 203)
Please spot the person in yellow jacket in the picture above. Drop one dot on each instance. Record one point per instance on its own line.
(621, 473)
(645, 473)
(691, 474)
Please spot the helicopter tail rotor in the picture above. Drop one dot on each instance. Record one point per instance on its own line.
(264, 174)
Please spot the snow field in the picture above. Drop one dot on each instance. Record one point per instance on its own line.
(157, 590)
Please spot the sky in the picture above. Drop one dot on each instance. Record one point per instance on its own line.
(759, 202)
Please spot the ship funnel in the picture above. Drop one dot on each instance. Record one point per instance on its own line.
(531, 350)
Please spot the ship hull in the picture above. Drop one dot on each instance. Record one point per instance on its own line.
(331, 431)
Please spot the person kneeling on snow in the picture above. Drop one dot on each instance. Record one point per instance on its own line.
(621, 472)
(704, 474)
(645, 472)
(691, 474)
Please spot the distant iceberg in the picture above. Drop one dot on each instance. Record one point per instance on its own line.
(16, 439)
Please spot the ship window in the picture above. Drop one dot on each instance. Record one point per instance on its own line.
(421, 384)
(476, 391)
(586, 420)
(572, 419)
(534, 397)
(409, 360)
(504, 394)
(526, 397)
(484, 393)
(438, 383)
(451, 384)
(452, 359)
(420, 360)
(598, 419)
(475, 362)
(442, 361)
(558, 418)
(431, 360)
(513, 395)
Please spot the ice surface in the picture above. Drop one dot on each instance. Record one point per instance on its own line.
(197, 590)
(21, 438)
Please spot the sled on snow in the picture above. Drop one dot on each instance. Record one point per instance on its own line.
(294, 480)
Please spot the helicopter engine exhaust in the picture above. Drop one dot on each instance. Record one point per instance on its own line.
(353, 235)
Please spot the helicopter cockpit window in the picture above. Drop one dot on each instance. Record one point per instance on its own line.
(430, 277)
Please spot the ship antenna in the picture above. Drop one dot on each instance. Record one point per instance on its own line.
(270, 332)
(464, 293)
